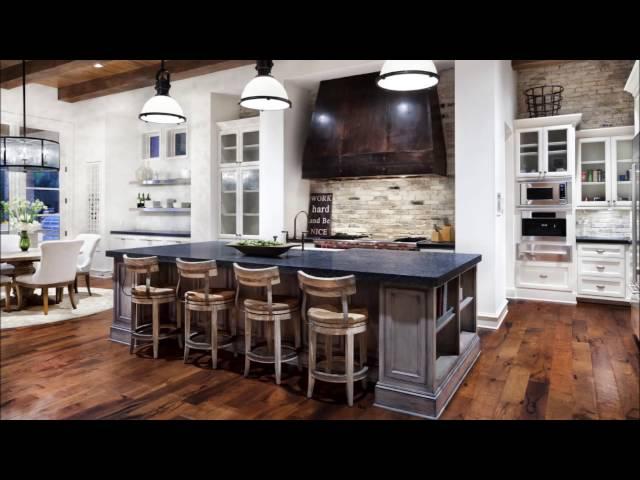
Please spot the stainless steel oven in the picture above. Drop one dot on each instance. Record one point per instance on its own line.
(543, 236)
(545, 194)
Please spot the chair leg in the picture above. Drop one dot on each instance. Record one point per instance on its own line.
(278, 350)
(214, 338)
(88, 282)
(328, 351)
(349, 367)
(59, 293)
(247, 344)
(187, 332)
(75, 284)
(363, 355)
(20, 296)
(7, 298)
(71, 296)
(313, 338)
(156, 328)
(45, 300)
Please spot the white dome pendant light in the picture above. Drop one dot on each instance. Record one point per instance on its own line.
(264, 92)
(161, 108)
(406, 75)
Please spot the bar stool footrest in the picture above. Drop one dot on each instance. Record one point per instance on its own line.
(145, 332)
(198, 341)
(359, 372)
(262, 355)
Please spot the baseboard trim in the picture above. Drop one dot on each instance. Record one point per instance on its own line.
(493, 321)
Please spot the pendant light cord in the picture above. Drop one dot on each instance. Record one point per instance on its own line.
(24, 99)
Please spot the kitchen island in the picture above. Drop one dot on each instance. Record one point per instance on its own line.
(422, 310)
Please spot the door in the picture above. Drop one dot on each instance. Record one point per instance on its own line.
(620, 167)
(593, 160)
(558, 151)
(529, 153)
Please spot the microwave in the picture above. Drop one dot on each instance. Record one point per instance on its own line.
(545, 193)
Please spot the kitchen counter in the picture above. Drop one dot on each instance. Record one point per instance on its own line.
(588, 239)
(152, 233)
(428, 244)
(422, 329)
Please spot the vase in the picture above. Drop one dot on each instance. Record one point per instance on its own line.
(25, 243)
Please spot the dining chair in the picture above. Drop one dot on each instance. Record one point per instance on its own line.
(85, 258)
(57, 269)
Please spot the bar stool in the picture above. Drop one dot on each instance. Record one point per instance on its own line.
(148, 295)
(206, 299)
(334, 320)
(273, 310)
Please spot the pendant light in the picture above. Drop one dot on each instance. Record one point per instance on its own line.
(406, 75)
(264, 92)
(161, 108)
(28, 154)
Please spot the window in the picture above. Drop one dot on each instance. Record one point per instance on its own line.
(151, 146)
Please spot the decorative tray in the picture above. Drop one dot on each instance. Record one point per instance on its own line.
(263, 250)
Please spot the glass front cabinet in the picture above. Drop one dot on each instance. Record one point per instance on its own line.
(603, 171)
(545, 152)
(239, 160)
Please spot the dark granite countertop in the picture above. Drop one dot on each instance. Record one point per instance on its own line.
(429, 269)
(150, 233)
(587, 239)
(442, 245)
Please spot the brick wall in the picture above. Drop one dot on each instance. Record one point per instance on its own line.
(395, 207)
(603, 222)
(594, 88)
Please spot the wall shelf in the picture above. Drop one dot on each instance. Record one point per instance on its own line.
(161, 210)
(168, 181)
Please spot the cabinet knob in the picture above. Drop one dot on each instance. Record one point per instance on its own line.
(600, 287)
(542, 275)
(600, 267)
(600, 250)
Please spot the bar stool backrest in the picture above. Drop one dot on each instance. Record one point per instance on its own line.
(256, 277)
(141, 265)
(335, 287)
(197, 270)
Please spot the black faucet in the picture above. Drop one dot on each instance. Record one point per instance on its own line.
(294, 224)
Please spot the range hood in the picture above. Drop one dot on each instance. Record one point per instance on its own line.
(361, 130)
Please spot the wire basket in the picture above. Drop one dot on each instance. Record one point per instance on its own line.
(544, 100)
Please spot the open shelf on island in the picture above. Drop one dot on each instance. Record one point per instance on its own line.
(167, 181)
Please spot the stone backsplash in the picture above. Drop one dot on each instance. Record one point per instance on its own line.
(390, 207)
(602, 223)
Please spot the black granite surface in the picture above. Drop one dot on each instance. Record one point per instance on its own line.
(150, 233)
(425, 268)
(586, 239)
(441, 245)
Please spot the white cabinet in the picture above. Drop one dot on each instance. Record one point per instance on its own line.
(238, 161)
(545, 152)
(603, 167)
(602, 271)
(543, 275)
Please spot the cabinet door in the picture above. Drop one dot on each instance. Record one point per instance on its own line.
(558, 151)
(250, 147)
(529, 152)
(250, 203)
(228, 148)
(593, 171)
(228, 202)
(620, 167)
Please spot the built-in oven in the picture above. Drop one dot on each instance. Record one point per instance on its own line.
(543, 236)
(545, 194)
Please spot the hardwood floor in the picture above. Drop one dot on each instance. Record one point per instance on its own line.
(546, 361)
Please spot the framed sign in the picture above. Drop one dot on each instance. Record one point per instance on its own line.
(320, 206)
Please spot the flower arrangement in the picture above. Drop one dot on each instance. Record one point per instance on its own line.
(22, 214)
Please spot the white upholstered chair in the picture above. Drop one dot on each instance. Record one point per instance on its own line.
(57, 269)
(85, 258)
(9, 243)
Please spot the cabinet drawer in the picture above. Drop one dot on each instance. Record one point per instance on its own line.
(545, 277)
(601, 287)
(600, 250)
(601, 267)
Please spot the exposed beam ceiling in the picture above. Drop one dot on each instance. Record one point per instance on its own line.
(522, 64)
(36, 70)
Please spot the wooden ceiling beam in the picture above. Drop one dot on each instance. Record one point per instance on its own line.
(36, 70)
(522, 64)
(144, 77)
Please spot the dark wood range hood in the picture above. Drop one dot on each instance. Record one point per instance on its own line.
(361, 130)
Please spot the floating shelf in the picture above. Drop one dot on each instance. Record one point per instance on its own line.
(161, 210)
(168, 181)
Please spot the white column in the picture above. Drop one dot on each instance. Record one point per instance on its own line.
(272, 185)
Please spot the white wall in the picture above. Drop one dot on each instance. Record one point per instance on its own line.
(485, 100)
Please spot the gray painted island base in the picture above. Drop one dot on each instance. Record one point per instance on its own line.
(422, 330)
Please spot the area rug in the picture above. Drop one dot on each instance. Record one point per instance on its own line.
(101, 300)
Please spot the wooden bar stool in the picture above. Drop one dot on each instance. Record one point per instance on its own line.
(206, 299)
(273, 309)
(334, 320)
(148, 295)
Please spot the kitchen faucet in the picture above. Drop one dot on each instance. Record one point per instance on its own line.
(295, 220)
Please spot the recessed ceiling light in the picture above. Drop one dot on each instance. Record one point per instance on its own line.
(98, 65)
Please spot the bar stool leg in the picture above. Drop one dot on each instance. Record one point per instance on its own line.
(232, 314)
(363, 355)
(187, 332)
(134, 314)
(328, 351)
(278, 350)
(247, 344)
(214, 338)
(349, 367)
(179, 323)
(156, 328)
(313, 338)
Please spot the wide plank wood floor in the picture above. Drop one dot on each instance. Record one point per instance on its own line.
(546, 361)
